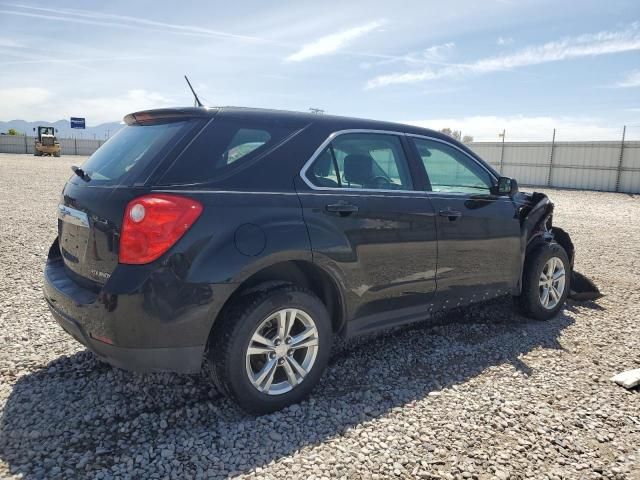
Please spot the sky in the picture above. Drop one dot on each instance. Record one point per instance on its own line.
(522, 66)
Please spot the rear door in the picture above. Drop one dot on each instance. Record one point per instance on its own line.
(369, 226)
(478, 232)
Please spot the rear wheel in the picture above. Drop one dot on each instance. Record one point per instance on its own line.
(271, 348)
(545, 285)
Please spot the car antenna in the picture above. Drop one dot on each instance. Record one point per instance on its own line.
(198, 103)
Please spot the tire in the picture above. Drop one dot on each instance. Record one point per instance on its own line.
(537, 264)
(233, 369)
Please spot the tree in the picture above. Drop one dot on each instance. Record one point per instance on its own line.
(467, 139)
(457, 134)
(12, 131)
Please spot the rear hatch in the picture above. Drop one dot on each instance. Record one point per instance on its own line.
(91, 210)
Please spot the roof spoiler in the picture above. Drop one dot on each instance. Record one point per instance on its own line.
(160, 114)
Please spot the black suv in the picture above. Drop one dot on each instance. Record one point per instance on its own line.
(248, 238)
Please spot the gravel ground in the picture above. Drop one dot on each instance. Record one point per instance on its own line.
(486, 394)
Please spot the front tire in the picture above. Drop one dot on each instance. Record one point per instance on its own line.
(545, 282)
(271, 348)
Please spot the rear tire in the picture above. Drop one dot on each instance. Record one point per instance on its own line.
(545, 281)
(252, 365)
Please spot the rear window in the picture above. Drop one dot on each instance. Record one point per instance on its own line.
(127, 154)
(224, 147)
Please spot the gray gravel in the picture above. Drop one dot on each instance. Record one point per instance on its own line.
(486, 394)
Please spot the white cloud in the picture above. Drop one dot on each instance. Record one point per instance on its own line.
(588, 45)
(433, 55)
(15, 101)
(437, 52)
(40, 104)
(526, 128)
(88, 17)
(332, 43)
(114, 108)
(631, 80)
(504, 41)
(9, 42)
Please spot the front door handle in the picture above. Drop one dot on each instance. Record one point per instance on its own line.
(450, 214)
(342, 208)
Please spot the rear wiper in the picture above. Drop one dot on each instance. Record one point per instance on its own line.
(81, 173)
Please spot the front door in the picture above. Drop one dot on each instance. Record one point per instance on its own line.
(478, 233)
(368, 225)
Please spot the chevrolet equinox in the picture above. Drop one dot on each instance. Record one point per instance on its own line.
(249, 238)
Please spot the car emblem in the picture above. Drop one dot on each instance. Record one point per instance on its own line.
(99, 274)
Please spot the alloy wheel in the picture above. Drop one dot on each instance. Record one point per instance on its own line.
(282, 351)
(552, 283)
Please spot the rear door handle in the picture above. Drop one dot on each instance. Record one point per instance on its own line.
(451, 214)
(342, 208)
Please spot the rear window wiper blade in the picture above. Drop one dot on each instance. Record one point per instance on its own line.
(81, 173)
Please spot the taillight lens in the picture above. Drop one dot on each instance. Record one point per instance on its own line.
(153, 224)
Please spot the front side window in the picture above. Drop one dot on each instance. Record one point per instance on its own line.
(370, 161)
(450, 170)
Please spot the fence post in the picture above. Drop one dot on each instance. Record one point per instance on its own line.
(26, 148)
(502, 150)
(75, 145)
(553, 144)
(624, 131)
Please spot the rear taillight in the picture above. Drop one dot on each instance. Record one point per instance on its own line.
(153, 224)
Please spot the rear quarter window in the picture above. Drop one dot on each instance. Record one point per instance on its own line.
(223, 147)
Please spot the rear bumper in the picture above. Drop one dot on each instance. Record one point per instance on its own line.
(144, 360)
(141, 319)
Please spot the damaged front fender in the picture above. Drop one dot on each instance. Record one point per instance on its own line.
(536, 227)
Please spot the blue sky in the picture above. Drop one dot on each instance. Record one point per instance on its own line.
(525, 66)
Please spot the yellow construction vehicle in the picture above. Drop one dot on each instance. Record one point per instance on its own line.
(46, 143)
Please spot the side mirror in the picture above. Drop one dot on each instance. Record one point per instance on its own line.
(506, 186)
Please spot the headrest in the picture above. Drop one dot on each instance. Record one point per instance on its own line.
(358, 168)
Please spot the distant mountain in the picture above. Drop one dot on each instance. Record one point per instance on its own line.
(101, 131)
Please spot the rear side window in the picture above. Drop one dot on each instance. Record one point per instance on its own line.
(370, 161)
(245, 141)
(223, 147)
(125, 156)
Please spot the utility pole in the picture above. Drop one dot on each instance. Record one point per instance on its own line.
(624, 131)
(553, 143)
(503, 134)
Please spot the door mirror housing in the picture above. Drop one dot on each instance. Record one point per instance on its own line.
(505, 186)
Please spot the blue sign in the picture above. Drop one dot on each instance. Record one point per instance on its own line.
(77, 122)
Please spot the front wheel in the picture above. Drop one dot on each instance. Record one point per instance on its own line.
(545, 282)
(271, 348)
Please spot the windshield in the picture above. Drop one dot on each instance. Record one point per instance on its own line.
(126, 155)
